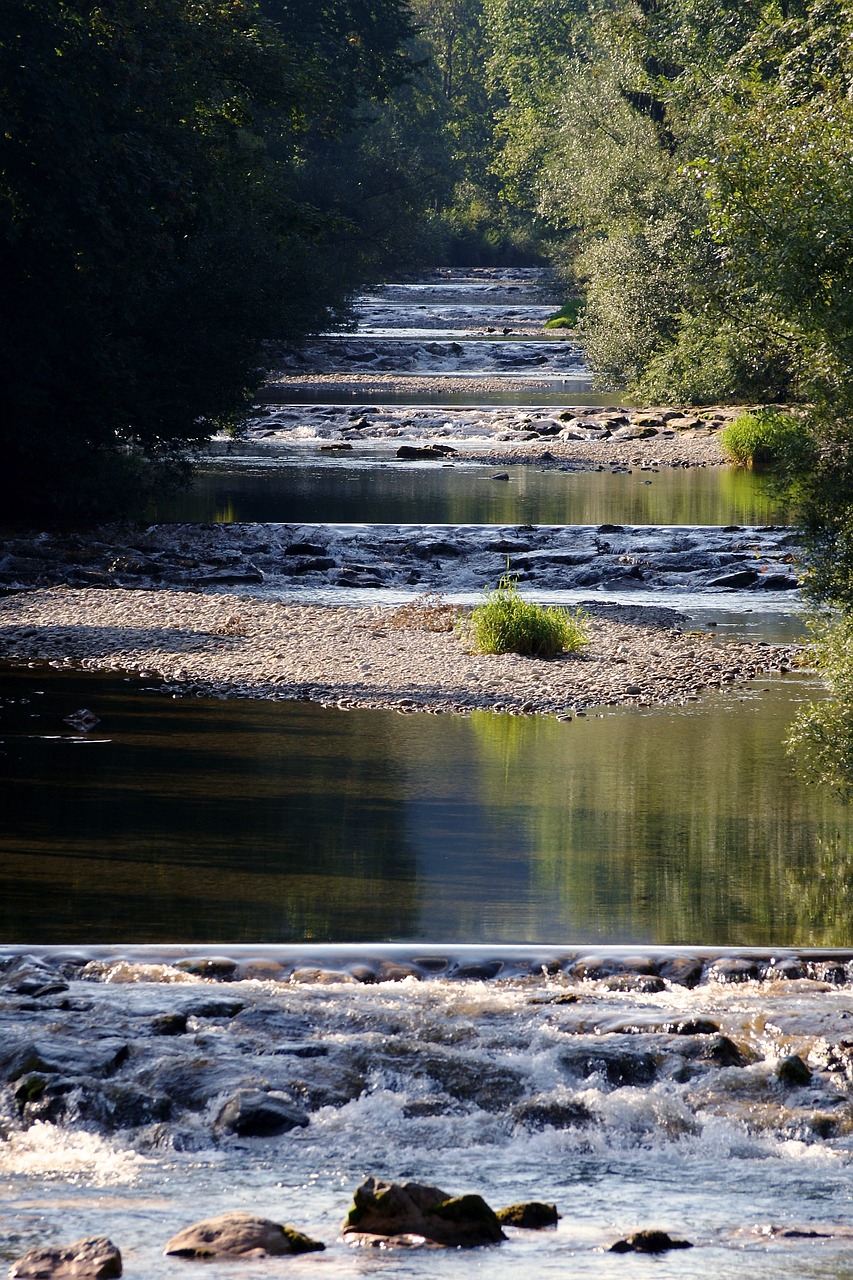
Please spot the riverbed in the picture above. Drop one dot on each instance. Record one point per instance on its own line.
(583, 937)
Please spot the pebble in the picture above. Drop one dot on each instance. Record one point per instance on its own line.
(356, 657)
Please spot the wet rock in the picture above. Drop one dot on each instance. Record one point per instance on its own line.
(619, 1065)
(27, 977)
(530, 1214)
(239, 1235)
(733, 969)
(390, 1210)
(716, 1049)
(254, 1113)
(219, 968)
(412, 451)
(169, 1024)
(214, 1008)
(305, 549)
(95, 1258)
(552, 1113)
(741, 578)
(60, 1056)
(649, 1242)
(684, 971)
(793, 1071)
(110, 1105)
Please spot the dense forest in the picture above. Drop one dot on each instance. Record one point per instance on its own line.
(181, 181)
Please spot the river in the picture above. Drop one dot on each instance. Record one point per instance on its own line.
(606, 964)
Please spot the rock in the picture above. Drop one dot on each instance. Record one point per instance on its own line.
(390, 1210)
(219, 968)
(95, 1258)
(239, 1235)
(531, 1214)
(501, 475)
(169, 1024)
(741, 578)
(551, 1113)
(649, 1242)
(793, 1071)
(254, 1113)
(83, 720)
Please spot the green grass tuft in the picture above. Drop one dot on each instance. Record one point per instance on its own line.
(505, 623)
(768, 437)
(568, 315)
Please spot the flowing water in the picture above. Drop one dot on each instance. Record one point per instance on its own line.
(606, 964)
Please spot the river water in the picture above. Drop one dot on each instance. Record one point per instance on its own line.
(569, 962)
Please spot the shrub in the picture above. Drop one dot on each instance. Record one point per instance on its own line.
(821, 736)
(505, 623)
(567, 316)
(768, 436)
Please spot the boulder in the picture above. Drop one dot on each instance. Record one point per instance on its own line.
(255, 1113)
(239, 1235)
(530, 1214)
(391, 1210)
(649, 1242)
(94, 1258)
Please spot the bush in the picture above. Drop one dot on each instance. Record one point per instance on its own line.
(505, 623)
(568, 315)
(769, 436)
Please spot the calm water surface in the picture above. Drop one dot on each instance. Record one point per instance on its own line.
(264, 483)
(199, 820)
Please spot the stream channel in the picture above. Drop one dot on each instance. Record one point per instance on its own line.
(606, 964)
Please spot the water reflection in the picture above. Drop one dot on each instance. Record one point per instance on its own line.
(265, 485)
(201, 820)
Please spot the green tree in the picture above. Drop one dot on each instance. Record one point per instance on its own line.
(152, 223)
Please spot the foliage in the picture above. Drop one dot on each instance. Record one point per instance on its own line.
(568, 315)
(153, 222)
(505, 623)
(821, 736)
(768, 437)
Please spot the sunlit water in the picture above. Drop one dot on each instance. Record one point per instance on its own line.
(279, 825)
(266, 482)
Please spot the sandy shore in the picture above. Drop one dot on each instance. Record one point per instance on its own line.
(231, 646)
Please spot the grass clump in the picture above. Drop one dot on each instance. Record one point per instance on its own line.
(427, 612)
(769, 437)
(505, 623)
(567, 317)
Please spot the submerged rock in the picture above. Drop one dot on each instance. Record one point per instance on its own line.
(649, 1242)
(239, 1235)
(95, 1258)
(397, 1212)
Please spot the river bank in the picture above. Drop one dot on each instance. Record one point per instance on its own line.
(380, 657)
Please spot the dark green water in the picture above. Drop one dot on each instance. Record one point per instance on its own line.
(263, 484)
(201, 820)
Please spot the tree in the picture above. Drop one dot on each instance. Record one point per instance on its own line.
(153, 227)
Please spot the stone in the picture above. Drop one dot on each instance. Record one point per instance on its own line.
(95, 1258)
(254, 1113)
(390, 1210)
(649, 1242)
(532, 1214)
(793, 1071)
(239, 1235)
